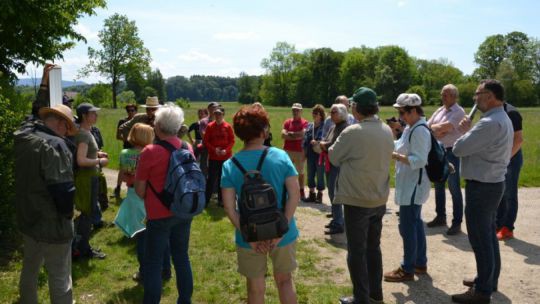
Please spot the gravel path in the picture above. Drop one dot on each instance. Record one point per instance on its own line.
(450, 258)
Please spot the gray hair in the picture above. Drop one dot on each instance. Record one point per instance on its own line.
(452, 89)
(341, 109)
(169, 118)
(342, 99)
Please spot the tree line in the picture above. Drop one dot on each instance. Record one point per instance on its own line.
(319, 75)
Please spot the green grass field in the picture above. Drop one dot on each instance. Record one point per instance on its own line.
(530, 174)
(212, 249)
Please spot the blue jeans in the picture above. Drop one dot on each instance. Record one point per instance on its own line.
(314, 170)
(159, 233)
(411, 228)
(141, 247)
(508, 208)
(363, 229)
(455, 190)
(337, 209)
(480, 211)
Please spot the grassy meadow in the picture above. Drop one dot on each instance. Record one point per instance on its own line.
(212, 250)
(530, 173)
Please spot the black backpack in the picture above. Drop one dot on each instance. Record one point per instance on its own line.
(437, 168)
(260, 217)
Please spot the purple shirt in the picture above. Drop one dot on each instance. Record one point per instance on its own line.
(453, 115)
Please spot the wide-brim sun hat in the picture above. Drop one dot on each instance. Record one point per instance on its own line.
(151, 102)
(64, 112)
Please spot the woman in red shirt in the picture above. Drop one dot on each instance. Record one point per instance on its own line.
(219, 140)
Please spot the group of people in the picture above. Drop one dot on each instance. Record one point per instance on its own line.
(58, 161)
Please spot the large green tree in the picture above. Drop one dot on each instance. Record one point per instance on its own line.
(36, 31)
(155, 80)
(121, 49)
(279, 67)
(393, 72)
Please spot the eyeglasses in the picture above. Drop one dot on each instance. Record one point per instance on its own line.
(401, 113)
(480, 93)
(131, 110)
(333, 112)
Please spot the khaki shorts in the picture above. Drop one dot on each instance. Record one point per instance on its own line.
(253, 265)
(298, 159)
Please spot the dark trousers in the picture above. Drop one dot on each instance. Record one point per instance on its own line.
(363, 227)
(482, 200)
(214, 176)
(160, 234)
(455, 190)
(508, 208)
(141, 250)
(314, 171)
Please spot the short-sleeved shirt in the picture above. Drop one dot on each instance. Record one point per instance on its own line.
(195, 127)
(294, 125)
(515, 117)
(152, 168)
(452, 115)
(86, 137)
(277, 167)
(128, 164)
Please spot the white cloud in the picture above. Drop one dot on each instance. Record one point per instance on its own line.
(236, 36)
(86, 32)
(197, 56)
(401, 3)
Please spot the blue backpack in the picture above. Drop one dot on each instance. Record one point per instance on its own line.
(184, 191)
(438, 167)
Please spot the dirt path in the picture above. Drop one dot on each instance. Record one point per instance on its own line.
(450, 258)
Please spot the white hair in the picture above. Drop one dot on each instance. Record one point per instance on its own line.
(169, 118)
(452, 89)
(342, 110)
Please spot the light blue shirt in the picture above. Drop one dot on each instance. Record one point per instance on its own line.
(410, 187)
(276, 168)
(486, 149)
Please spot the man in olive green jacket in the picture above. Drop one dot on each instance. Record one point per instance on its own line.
(363, 151)
(44, 192)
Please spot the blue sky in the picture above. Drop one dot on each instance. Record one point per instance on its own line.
(227, 37)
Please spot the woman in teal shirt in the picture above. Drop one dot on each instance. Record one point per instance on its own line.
(251, 126)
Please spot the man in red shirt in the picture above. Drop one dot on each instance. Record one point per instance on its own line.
(293, 134)
(219, 141)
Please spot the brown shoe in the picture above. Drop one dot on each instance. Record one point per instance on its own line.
(398, 275)
(420, 269)
(471, 297)
(437, 221)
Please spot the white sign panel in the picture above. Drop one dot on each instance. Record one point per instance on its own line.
(55, 86)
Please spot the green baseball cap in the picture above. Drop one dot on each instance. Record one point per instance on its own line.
(364, 97)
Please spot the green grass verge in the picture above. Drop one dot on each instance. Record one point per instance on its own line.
(213, 258)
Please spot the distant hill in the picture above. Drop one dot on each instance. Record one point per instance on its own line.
(30, 82)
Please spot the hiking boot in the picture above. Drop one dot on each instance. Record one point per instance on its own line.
(437, 221)
(469, 282)
(471, 297)
(351, 300)
(94, 254)
(398, 275)
(420, 269)
(330, 224)
(310, 198)
(329, 215)
(334, 229)
(319, 198)
(137, 277)
(454, 229)
(505, 234)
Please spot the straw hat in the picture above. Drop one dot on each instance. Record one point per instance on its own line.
(64, 112)
(151, 102)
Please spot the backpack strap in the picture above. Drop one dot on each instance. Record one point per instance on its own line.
(261, 160)
(169, 147)
(240, 167)
(410, 135)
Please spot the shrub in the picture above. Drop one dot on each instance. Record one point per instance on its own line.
(183, 103)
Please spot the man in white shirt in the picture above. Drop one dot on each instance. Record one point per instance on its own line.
(445, 125)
